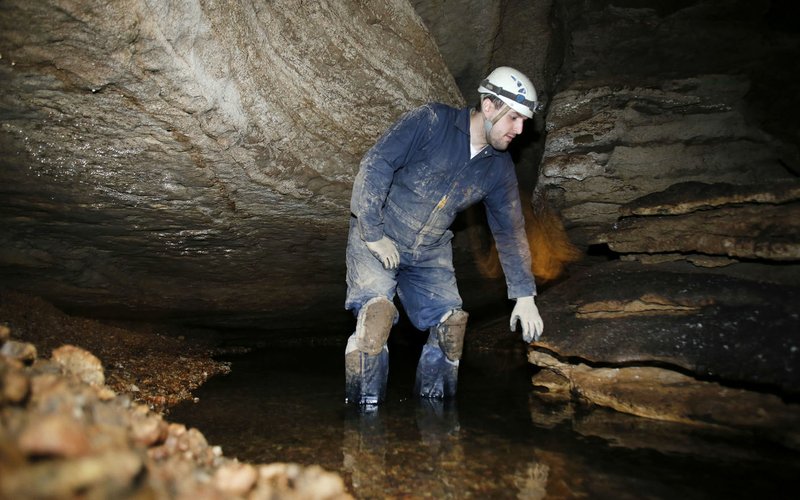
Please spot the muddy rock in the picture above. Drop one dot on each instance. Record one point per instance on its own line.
(80, 363)
(22, 351)
(65, 434)
(14, 385)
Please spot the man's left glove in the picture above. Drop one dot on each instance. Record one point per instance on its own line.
(528, 315)
(385, 251)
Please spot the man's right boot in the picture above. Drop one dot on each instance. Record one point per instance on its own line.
(367, 355)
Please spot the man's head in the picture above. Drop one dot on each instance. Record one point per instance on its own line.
(507, 98)
(513, 88)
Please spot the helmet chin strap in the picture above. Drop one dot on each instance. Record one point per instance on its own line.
(488, 124)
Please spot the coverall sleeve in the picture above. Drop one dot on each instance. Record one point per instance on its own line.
(504, 214)
(374, 179)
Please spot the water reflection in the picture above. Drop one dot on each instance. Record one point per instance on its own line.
(497, 440)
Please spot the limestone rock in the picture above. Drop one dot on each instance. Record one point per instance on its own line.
(107, 475)
(148, 145)
(306, 482)
(147, 428)
(14, 385)
(716, 220)
(80, 363)
(687, 197)
(664, 394)
(716, 324)
(54, 435)
(747, 232)
(636, 115)
(67, 440)
(608, 147)
(22, 351)
(235, 478)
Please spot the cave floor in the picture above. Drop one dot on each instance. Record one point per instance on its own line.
(497, 440)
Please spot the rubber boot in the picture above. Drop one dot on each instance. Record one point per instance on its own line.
(437, 376)
(366, 376)
(366, 357)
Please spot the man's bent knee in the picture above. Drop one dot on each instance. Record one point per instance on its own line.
(375, 320)
(450, 334)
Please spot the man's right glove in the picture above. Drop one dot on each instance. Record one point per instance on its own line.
(385, 251)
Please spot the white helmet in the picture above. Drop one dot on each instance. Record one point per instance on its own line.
(513, 88)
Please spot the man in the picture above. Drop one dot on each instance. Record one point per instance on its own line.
(431, 164)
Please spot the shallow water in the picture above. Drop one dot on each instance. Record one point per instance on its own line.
(497, 440)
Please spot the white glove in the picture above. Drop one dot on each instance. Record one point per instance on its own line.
(385, 251)
(528, 315)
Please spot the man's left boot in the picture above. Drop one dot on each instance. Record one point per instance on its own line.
(437, 370)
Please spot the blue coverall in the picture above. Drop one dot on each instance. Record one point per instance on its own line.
(410, 187)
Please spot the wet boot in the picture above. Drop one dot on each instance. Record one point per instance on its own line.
(437, 370)
(366, 376)
(367, 356)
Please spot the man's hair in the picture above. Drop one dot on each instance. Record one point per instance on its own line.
(498, 103)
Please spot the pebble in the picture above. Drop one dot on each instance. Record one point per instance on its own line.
(81, 363)
(21, 351)
(54, 435)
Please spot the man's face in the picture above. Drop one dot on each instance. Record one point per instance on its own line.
(504, 131)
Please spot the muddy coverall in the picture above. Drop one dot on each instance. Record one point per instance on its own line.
(411, 185)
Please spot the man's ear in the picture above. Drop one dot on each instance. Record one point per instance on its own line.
(487, 106)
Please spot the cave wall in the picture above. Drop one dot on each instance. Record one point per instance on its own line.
(654, 94)
(671, 156)
(189, 157)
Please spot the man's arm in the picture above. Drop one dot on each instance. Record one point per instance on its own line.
(504, 213)
(390, 153)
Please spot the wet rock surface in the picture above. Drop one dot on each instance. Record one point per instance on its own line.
(64, 434)
(735, 328)
(664, 394)
(711, 347)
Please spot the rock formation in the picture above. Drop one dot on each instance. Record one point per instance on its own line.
(663, 154)
(186, 158)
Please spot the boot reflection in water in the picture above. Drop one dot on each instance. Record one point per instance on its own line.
(364, 451)
(440, 437)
